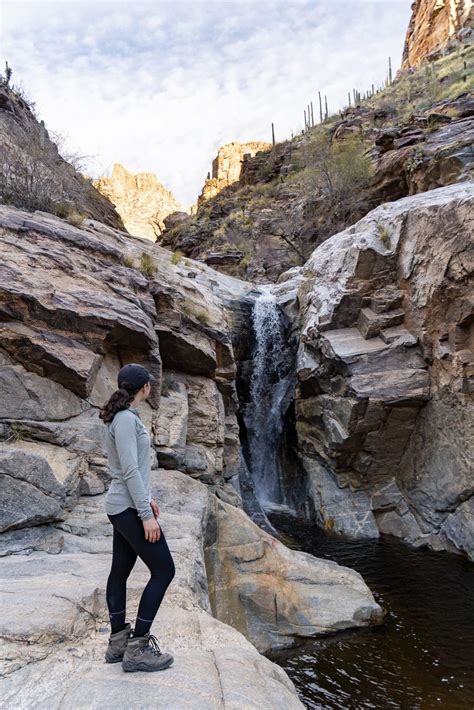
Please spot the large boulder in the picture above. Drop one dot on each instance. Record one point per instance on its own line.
(271, 593)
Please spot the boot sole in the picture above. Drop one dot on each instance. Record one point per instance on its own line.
(132, 667)
(113, 660)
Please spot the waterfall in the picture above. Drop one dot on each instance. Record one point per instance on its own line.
(270, 382)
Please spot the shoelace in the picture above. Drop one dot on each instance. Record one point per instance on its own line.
(153, 643)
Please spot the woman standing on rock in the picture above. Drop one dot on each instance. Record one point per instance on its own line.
(136, 531)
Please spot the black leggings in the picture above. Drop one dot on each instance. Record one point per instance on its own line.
(128, 543)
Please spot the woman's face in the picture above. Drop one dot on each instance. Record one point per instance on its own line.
(146, 390)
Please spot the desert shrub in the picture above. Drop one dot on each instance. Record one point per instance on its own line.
(339, 169)
(75, 218)
(61, 209)
(383, 234)
(334, 183)
(176, 256)
(17, 432)
(414, 160)
(147, 267)
(194, 311)
(128, 261)
(25, 181)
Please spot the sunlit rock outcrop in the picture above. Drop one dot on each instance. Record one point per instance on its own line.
(227, 166)
(432, 25)
(140, 199)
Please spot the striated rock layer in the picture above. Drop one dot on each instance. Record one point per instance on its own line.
(384, 404)
(141, 200)
(432, 25)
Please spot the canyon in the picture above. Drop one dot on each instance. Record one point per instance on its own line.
(309, 361)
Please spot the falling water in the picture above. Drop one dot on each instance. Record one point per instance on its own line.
(269, 386)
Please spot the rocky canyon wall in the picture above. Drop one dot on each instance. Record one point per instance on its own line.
(385, 405)
(432, 25)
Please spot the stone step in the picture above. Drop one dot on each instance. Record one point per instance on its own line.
(386, 299)
(347, 342)
(370, 323)
(398, 331)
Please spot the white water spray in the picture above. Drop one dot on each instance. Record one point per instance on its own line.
(268, 387)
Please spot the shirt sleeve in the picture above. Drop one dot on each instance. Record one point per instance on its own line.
(126, 445)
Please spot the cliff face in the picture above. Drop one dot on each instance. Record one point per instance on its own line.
(432, 25)
(32, 172)
(384, 403)
(227, 166)
(141, 201)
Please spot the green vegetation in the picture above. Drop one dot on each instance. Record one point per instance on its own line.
(75, 218)
(18, 431)
(65, 210)
(336, 177)
(419, 89)
(414, 160)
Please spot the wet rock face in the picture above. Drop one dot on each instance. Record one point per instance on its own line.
(432, 25)
(385, 365)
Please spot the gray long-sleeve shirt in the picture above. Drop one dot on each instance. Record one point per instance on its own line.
(128, 452)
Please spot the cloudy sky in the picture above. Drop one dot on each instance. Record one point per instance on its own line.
(159, 86)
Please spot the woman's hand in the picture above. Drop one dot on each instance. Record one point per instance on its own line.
(152, 530)
(154, 507)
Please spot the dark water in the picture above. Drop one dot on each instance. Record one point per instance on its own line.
(422, 656)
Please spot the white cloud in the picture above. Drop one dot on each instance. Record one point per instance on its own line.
(159, 86)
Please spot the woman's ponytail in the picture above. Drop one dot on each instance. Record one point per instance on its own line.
(119, 400)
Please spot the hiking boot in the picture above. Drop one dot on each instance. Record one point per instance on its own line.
(117, 645)
(143, 654)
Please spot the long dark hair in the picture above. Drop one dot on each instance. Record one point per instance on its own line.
(119, 400)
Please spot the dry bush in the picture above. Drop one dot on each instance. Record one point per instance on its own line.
(26, 181)
(147, 266)
(336, 178)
